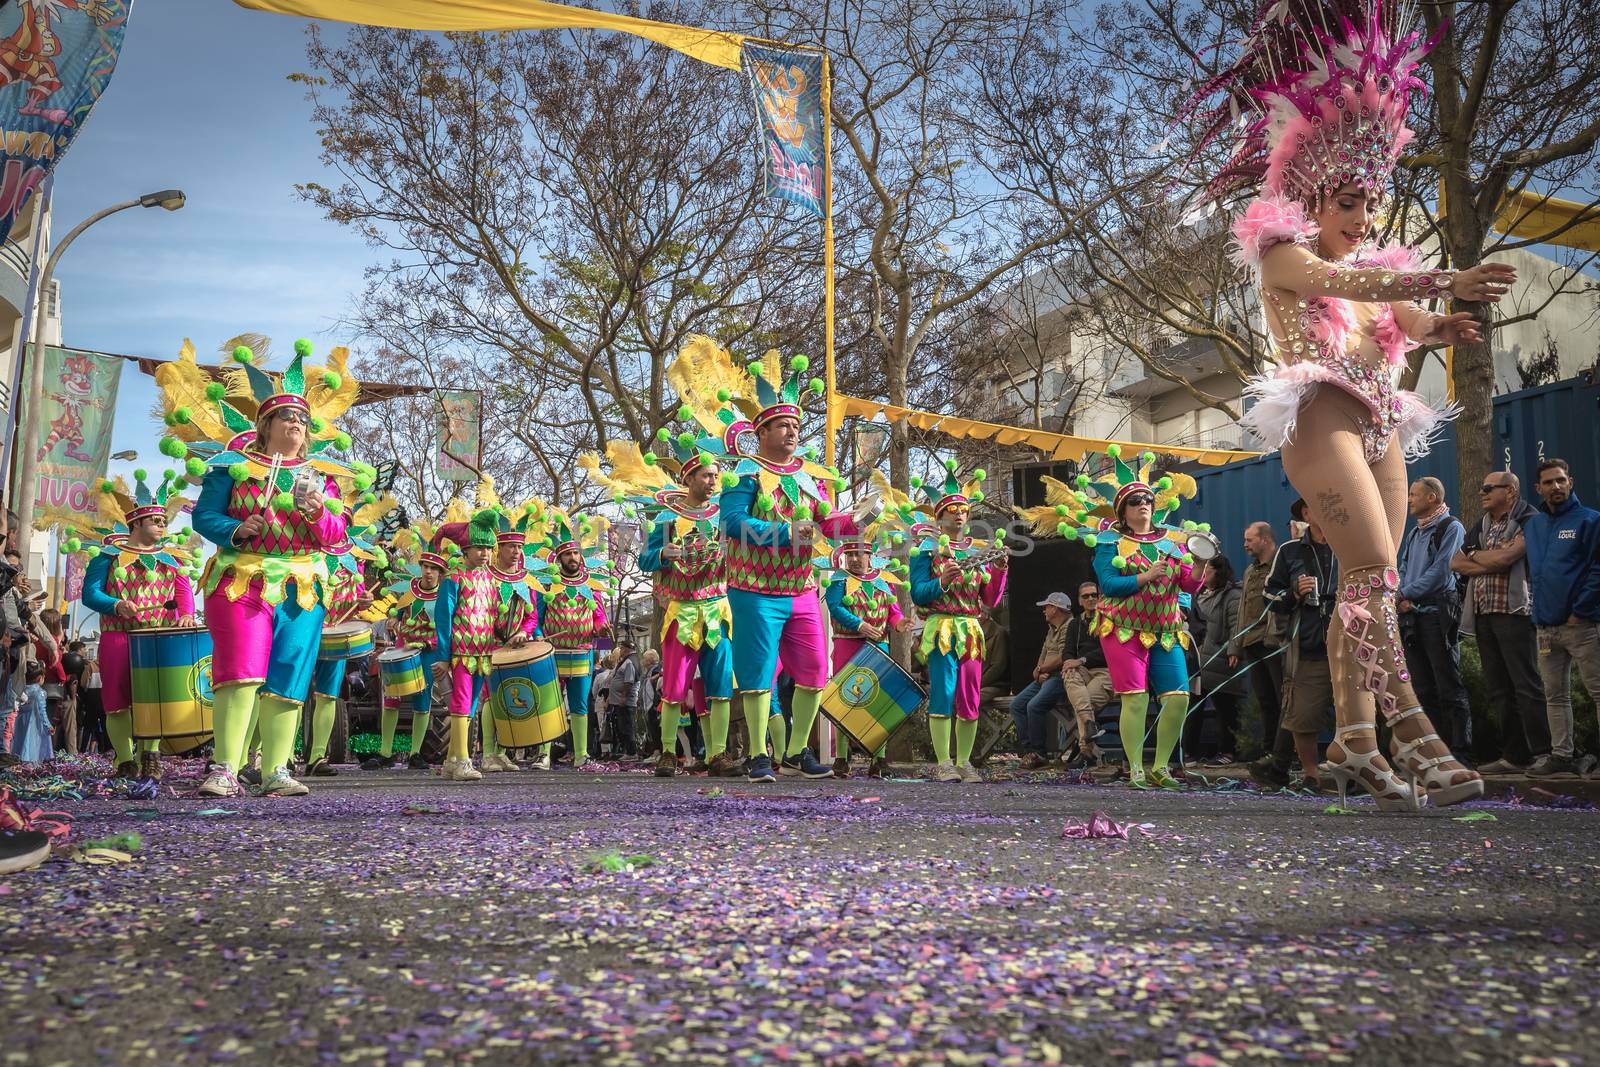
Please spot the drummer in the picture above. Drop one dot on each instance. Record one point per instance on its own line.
(515, 613)
(862, 607)
(135, 582)
(952, 598)
(573, 616)
(464, 615)
(411, 627)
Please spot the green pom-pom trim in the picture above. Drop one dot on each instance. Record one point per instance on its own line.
(706, 459)
(650, 458)
(1062, 528)
(663, 435)
(685, 412)
(723, 396)
(242, 354)
(183, 415)
(802, 513)
(649, 526)
(73, 544)
(394, 613)
(686, 440)
(818, 386)
(763, 502)
(916, 482)
(914, 551)
(1000, 536)
(1083, 481)
(1113, 450)
(1120, 562)
(317, 424)
(1149, 457)
(977, 498)
(799, 363)
(120, 573)
(824, 509)
(283, 502)
(215, 391)
(195, 467)
(107, 486)
(341, 441)
(92, 551)
(302, 348)
(239, 472)
(980, 474)
(1090, 540)
(1071, 533)
(367, 498)
(333, 380)
(944, 540)
(334, 505)
(1164, 484)
(1061, 509)
(630, 511)
(729, 480)
(950, 465)
(1188, 524)
(810, 452)
(825, 581)
(363, 481)
(1187, 559)
(1205, 527)
(169, 420)
(141, 474)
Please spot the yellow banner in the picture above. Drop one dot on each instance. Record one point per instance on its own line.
(709, 46)
(1056, 445)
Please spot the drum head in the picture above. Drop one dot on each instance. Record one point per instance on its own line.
(347, 629)
(1202, 546)
(510, 657)
(390, 655)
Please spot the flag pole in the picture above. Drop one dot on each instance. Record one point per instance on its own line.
(830, 417)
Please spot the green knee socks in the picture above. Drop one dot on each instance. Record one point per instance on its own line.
(756, 708)
(419, 731)
(939, 730)
(322, 715)
(1169, 727)
(966, 737)
(806, 702)
(1131, 725)
(491, 740)
(459, 724)
(717, 736)
(778, 730)
(580, 740)
(232, 716)
(388, 719)
(279, 720)
(670, 714)
(120, 729)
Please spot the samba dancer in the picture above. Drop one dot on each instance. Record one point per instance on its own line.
(269, 500)
(862, 604)
(683, 552)
(1323, 89)
(136, 581)
(771, 516)
(573, 615)
(952, 583)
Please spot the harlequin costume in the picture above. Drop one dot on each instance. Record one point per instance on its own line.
(857, 600)
(691, 589)
(266, 595)
(346, 590)
(153, 582)
(464, 616)
(572, 615)
(516, 605)
(768, 553)
(1316, 103)
(952, 642)
(1140, 627)
(411, 626)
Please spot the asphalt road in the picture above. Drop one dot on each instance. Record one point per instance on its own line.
(838, 923)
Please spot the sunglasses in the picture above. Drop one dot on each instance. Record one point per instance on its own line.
(295, 416)
(1140, 498)
(1088, 596)
(1488, 488)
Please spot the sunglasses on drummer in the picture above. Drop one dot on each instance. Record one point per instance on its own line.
(1140, 498)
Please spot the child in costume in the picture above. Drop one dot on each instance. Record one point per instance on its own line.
(136, 580)
(861, 597)
(269, 500)
(775, 507)
(683, 550)
(1320, 92)
(952, 582)
(464, 616)
(348, 599)
(572, 615)
(411, 626)
(1142, 565)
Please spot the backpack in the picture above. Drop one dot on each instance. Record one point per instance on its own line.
(1436, 537)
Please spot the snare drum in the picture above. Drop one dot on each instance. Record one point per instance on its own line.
(574, 664)
(871, 698)
(346, 640)
(171, 675)
(401, 669)
(525, 696)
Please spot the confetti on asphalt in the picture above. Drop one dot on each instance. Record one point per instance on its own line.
(1101, 825)
(1477, 816)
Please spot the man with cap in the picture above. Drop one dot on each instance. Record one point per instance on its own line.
(1031, 709)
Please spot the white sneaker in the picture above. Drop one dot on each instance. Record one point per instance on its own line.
(489, 763)
(220, 783)
(506, 763)
(969, 773)
(459, 770)
(280, 783)
(946, 772)
(542, 763)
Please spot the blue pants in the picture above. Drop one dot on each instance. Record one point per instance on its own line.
(577, 690)
(329, 678)
(1031, 711)
(296, 637)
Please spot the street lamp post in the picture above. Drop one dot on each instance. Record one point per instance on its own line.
(25, 488)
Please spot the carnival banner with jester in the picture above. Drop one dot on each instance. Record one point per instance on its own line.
(56, 59)
(788, 88)
(77, 409)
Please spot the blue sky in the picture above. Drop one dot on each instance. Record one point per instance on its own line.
(200, 102)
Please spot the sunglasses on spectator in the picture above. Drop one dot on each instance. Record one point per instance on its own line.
(1488, 487)
(1089, 596)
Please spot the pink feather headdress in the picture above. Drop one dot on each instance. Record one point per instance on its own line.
(1317, 99)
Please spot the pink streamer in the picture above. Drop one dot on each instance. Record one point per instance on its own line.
(1100, 826)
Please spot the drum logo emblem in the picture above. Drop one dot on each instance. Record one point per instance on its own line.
(858, 687)
(200, 681)
(516, 698)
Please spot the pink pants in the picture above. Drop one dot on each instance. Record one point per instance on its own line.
(953, 685)
(844, 649)
(116, 672)
(466, 690)
(679, 664)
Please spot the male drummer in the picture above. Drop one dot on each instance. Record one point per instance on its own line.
(515, 614)
(347, 594)
(464, 616)
(572, 617)
(135, 584)
(862, 605)
(412, 628)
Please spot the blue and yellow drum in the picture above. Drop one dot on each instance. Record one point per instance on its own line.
(574, 664)
(871, 698)
(171, 669)
(525, 696)
(401, 670)
(345, 640)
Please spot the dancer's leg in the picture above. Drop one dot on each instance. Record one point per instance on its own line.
(1135, 706)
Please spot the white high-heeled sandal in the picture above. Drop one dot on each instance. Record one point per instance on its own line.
(1390, 794)
(1424, 773)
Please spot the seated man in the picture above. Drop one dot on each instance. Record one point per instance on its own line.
(1031, 709)
(1087, 679)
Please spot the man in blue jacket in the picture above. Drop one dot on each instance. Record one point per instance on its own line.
(1430, 611)
(1564, 559)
